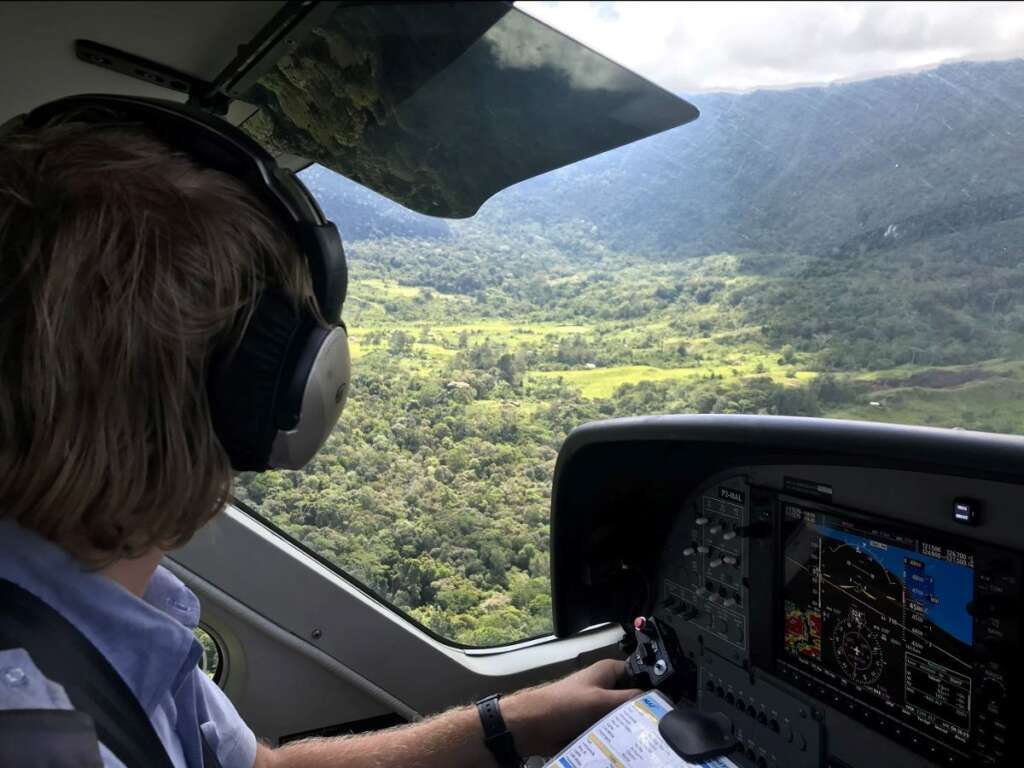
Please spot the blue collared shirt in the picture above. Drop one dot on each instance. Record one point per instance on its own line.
(149, 641)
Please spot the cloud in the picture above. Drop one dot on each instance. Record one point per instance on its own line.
(514, 43)
(701, 46)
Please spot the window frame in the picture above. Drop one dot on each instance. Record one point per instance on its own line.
(220, 673)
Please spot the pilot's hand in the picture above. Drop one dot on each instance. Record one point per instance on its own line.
(546, 718)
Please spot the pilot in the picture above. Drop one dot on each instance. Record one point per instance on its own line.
(124, 265)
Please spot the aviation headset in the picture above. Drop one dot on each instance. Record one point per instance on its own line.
(277, 394)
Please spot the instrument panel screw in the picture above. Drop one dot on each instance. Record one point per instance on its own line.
(316, 634)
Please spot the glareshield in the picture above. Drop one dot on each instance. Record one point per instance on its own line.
(440, 106)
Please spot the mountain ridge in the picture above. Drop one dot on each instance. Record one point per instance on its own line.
(827, 169)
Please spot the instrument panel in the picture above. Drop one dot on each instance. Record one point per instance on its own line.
(881, 621)
(841, 610)
(901, 628)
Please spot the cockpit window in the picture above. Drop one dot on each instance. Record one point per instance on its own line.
(850, 248)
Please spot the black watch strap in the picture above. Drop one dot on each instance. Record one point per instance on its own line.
(497, 737)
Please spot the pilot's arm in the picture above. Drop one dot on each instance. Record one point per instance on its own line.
(542, 720)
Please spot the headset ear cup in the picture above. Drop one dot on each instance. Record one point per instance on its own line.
(322, 376)
(246, 382)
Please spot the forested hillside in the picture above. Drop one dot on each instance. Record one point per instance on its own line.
(852, 251)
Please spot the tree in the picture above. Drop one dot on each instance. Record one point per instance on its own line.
(399, 343)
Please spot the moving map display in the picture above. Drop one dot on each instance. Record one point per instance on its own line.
(880, 618)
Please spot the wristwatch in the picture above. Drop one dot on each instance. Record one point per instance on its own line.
(497, 737)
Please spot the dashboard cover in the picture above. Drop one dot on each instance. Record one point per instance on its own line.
(619, 482)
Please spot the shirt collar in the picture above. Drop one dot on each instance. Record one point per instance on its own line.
(149, 641)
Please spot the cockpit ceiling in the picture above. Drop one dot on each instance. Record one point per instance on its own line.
(37, 55)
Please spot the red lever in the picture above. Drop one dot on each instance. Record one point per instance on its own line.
(639, 623)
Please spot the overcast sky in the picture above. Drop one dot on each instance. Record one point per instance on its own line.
(695, 46)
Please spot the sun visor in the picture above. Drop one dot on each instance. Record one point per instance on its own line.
(438, 106)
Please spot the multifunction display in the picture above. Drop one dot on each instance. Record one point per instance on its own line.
(880, 620)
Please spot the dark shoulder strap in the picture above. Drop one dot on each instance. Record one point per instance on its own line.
(48, 738)
(66, 657)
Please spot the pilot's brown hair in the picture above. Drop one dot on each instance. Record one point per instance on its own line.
(123, 265)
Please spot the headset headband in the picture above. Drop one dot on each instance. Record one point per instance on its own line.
(215, 143)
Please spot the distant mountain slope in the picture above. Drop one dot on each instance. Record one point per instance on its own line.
(814, 169)
(825, 170)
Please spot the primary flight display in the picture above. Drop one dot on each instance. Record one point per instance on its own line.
(881, 620)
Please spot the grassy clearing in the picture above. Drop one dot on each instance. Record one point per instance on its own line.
(995, 404)
(433, 351)
(721, 356)
(987, 395)
(602, 382)
(449, 335)
(372, 288)
(372, 304)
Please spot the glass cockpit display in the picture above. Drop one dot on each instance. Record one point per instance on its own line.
(880, 619)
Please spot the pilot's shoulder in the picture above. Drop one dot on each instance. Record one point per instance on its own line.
(23, 686)
(25, 691)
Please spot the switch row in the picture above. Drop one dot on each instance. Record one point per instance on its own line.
(704, 549)
(758, 714)
(716, 527)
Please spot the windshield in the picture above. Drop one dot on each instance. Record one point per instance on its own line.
(838, 235)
